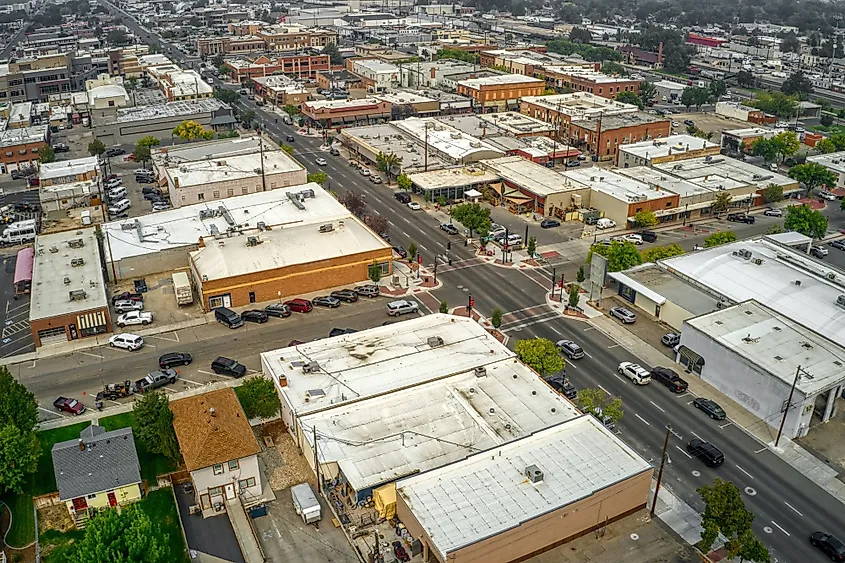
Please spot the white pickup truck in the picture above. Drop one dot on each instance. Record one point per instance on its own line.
(134, 318)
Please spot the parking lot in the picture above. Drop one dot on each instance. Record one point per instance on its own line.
(707, 122)
(15, 338)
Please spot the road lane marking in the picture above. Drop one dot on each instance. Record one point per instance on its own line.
(744, 471)
(189, 381)
(657, 406)
(683, 451)
(725, 425)
(603, 389)
(642, 419)
(676, 435)
(588, 354)
(761, 450)
(165, 338)
(793, 508)
(696, 435)
(92, 355)
(781, 529)
(205, 372)
(613, 346)
(619, 377)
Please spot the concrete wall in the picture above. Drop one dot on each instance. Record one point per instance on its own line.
(613, 208)
(189, 195)
(205, 478)
(758, 392)
(147, 264)
(548, 531)
(675, 315)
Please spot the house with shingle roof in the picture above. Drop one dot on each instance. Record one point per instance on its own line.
(219, 448)
(97, 471)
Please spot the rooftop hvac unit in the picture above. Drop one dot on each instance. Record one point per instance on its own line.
(534, 474)
(307, 194)
(76, 243)
(480, 371)
(314, 394)
(743, 253)
(66, 280)
(840, 301)
(253, 241)
(77, 295)
(327, 228)
(311, 367)
(261, 225)
(214, 230)
(434, 341)
(53, 249)
(757, 261)
(831, 276)
(76, 262)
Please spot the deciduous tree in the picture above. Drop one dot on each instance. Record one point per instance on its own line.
(540, 354)
(765, 148)
(786, 143)
(374, 272)
(190, 130)
(825, 146)
(805, 220)
(630, 98)
(122, 536)
(96, 147)
(472, 216)
(722, 201)
(719, 238)
(797, 84)
(412, 251)
(259, 398)
(574, 294)
(662, 252)
(154, 424)
(379, 224)
(226, 95)
(496, 318)
(645, 218)
(601, 405)
(531, 246)
(404, 182)
(647, 91)
(772, 193)
(812, 175)
(317, 177)
(620, 255)
(725, 515)
(46, 154)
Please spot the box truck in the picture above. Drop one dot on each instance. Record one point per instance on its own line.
(182, 287)
(305, 503)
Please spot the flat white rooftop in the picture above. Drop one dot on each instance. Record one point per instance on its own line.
(530, 176)
(482, 496)
(515, 123)
(750, 132)
(437, 423)
(777, 344)
(403, 97)
(231, 168)
(453, 177)
(51, 296)
(380, 360)
(23, 136)
(341, 105)
(580, 105)
(671, 145)
(456, 145)
(66, 168)
(499, 79)
(834, 161)
(737, 170)
(185, 226)
(683, 188)
(376, 66)
(616, 185)
(669, 85)
(283, 246)
(811, 302)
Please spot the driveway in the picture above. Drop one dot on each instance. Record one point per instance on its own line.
(213, 536)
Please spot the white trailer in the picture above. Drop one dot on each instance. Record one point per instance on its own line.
(182, 287)
(305, 503)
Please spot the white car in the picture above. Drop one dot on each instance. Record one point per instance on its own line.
(414, 206)
(321, 161)
(134, 318)
(675, 124)
(126, 341)
(773, 212)
(128, 306)
(630, 237)
(635, 372)
(827, 195)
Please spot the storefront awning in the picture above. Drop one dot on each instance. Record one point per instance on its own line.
(91, 320)
(653, 296)
(693, 358)
(472, 193)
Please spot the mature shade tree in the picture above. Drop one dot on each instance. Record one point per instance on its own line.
(745, 79)
(120, 537)
(776, 103)
(19, 449)
(812, 175)
(772, 193)
(630, 98)
(580, 35)
(378, 223)
(259, 398)
(354, 203)
(722, 202)
(645, 218)
(805, 220)
(472, 216)
(647, 91)
(620, 255)
(725, 515)
(319, 177)
(540, 354)
(154, 424)
(190, 130)
(719, 238)
(595, 401)
(786, 143)
(797, 84)
(404, 182)
(226, 95)
(46, 155)
(765, 148)
(96, 147)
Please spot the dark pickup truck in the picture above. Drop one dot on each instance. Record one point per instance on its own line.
(670, 379)
(66, 404)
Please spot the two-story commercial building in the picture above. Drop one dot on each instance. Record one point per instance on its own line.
(501, 92)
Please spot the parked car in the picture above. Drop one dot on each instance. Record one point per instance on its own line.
(61, 147)
(414, 206)
(160, 206)
(741, 218)
(561, 384)
(375, 179)
(689, 122)
(400, 251)
(706, 452)
(340, 331)
(173, 359)
(827, 195)
(624, 315)
(346, 295)
(573, 164)
(255, 316)
(125, 306)
(449, 229)
(150, 190)
(115, 151)
(605, 223)
(549, 223)
(635, 372)
(710, 407)
(839, 244)
(370, 290)
(228, 317)
(127, 296)
(818, 251)
(364, 171)
(326, 301)
(155, 379)
(299, 305)
(126, 341)
(570, 349)
(401, 307)
(134, 318)
(629, 237)
(66, 404)
(671, 339)
(669, 378)
(321, 161)
(773, 212)
(648, 236)
(279, 310)
(402, 197)
(228, 366)
(829, 545)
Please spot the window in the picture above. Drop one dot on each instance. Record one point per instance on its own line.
(89, 497)
(215, 491)
(244, 191)
(218, 469)
(200, 197)
(216, 194)
(246, 483)
(230, 192)
(234, 465)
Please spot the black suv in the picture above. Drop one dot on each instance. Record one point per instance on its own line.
(402, 197)
(173, 359)
(706, 452)
(227, 366)
(670, 379)
(345, 295)
(561, 384)
(648, 236)
(830, 545)
(741, 218)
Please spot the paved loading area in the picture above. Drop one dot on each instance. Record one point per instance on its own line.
(211, 536)
(243, 531)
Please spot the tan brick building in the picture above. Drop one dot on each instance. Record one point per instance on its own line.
(501, 92)
(602, 136)
(19, 148)
(341, 113)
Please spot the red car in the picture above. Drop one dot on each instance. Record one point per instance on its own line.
(66, 404)
(299, 305)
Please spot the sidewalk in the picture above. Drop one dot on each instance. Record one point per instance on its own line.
(793, 454)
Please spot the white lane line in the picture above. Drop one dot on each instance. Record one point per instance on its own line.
(205, 372)
(52, 412)
(613, 346)
(744, 471)
(642, 419)
(683, 451)
(761, 450)
(588, 354)
(92, 355)
(658, 407)
(589, 328)
(696, 435)
(619, 377)
(793, 508)
(603, 389)
(189, 381)
(779, 528)
(571, 365)
(725, 425)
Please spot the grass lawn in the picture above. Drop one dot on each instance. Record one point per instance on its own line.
(829, 129)
(159, 505)
(152, 464)
(41, 482)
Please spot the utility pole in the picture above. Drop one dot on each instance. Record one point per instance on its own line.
(554, 277)
(659, 471)
(261, 153)
(317, 462)
(788, 403)
(425, 168)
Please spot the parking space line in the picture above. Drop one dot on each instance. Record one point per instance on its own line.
(52, 412)
(725, 425)
(92, 355)
(192, 382)
(642, 419)
(205, 372)
(680, 449)
(761, 450)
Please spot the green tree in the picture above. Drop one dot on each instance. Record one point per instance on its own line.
(190, 130)
(797, 84)
(46, 154)
(496, 318)
(725, 515)
(287, 148)
(472, 216)
(335, 57)
(826, 120)
(96, 147)
(148, 141)
(776, 103)
(786, 143)
(458, 55)
(662, 252)
(772, 193)
(765, 148)
(540, 354)
(374, 272)
(404, 182)
(226, 95)
(531, 246)
(580, 277)
(122, 536)
(259, 398)
(574, 294)
(695, 96)
(775, 230)
(580, 35)
(825, 146)
(444, 307)
(117, 37)
(291, 110)
(317, 177)
(719, 238)
(388, 162)
(596, 402)
(412, 251)
(19, 448)
(805, 220)
(812, 175)
(620, 255)
(721, 202)
(613, 68)
(248, 117)
(645, 218)
(143, 149)
(718, 88)
(630, 98)
(647, 91)
(154, 424)
(745, 79)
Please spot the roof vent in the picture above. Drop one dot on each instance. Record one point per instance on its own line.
(77, 295)
(534, 474)
(480, 371)
(757, 261)
(76, 243)
(743, 253)
(253, 241)
(796, 282)
(314, 394)
(76, 262)
(53, 249)
(434, 341)
(840, 301)
(311, 367)
(327, 228)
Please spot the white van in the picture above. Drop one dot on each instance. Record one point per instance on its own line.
(605, 223)
(119, 206)
(19, 233)
(117, 193)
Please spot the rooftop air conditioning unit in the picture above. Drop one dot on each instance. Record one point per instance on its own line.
(253, 241)
(743, 253)
(480, 371)
(77, 295)
(534, 474)
(757, 261)
(831, 276)
(76, 262)
(434, 341)
(840, 301)
(327, 228)
(76, 243)
(311, 367)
